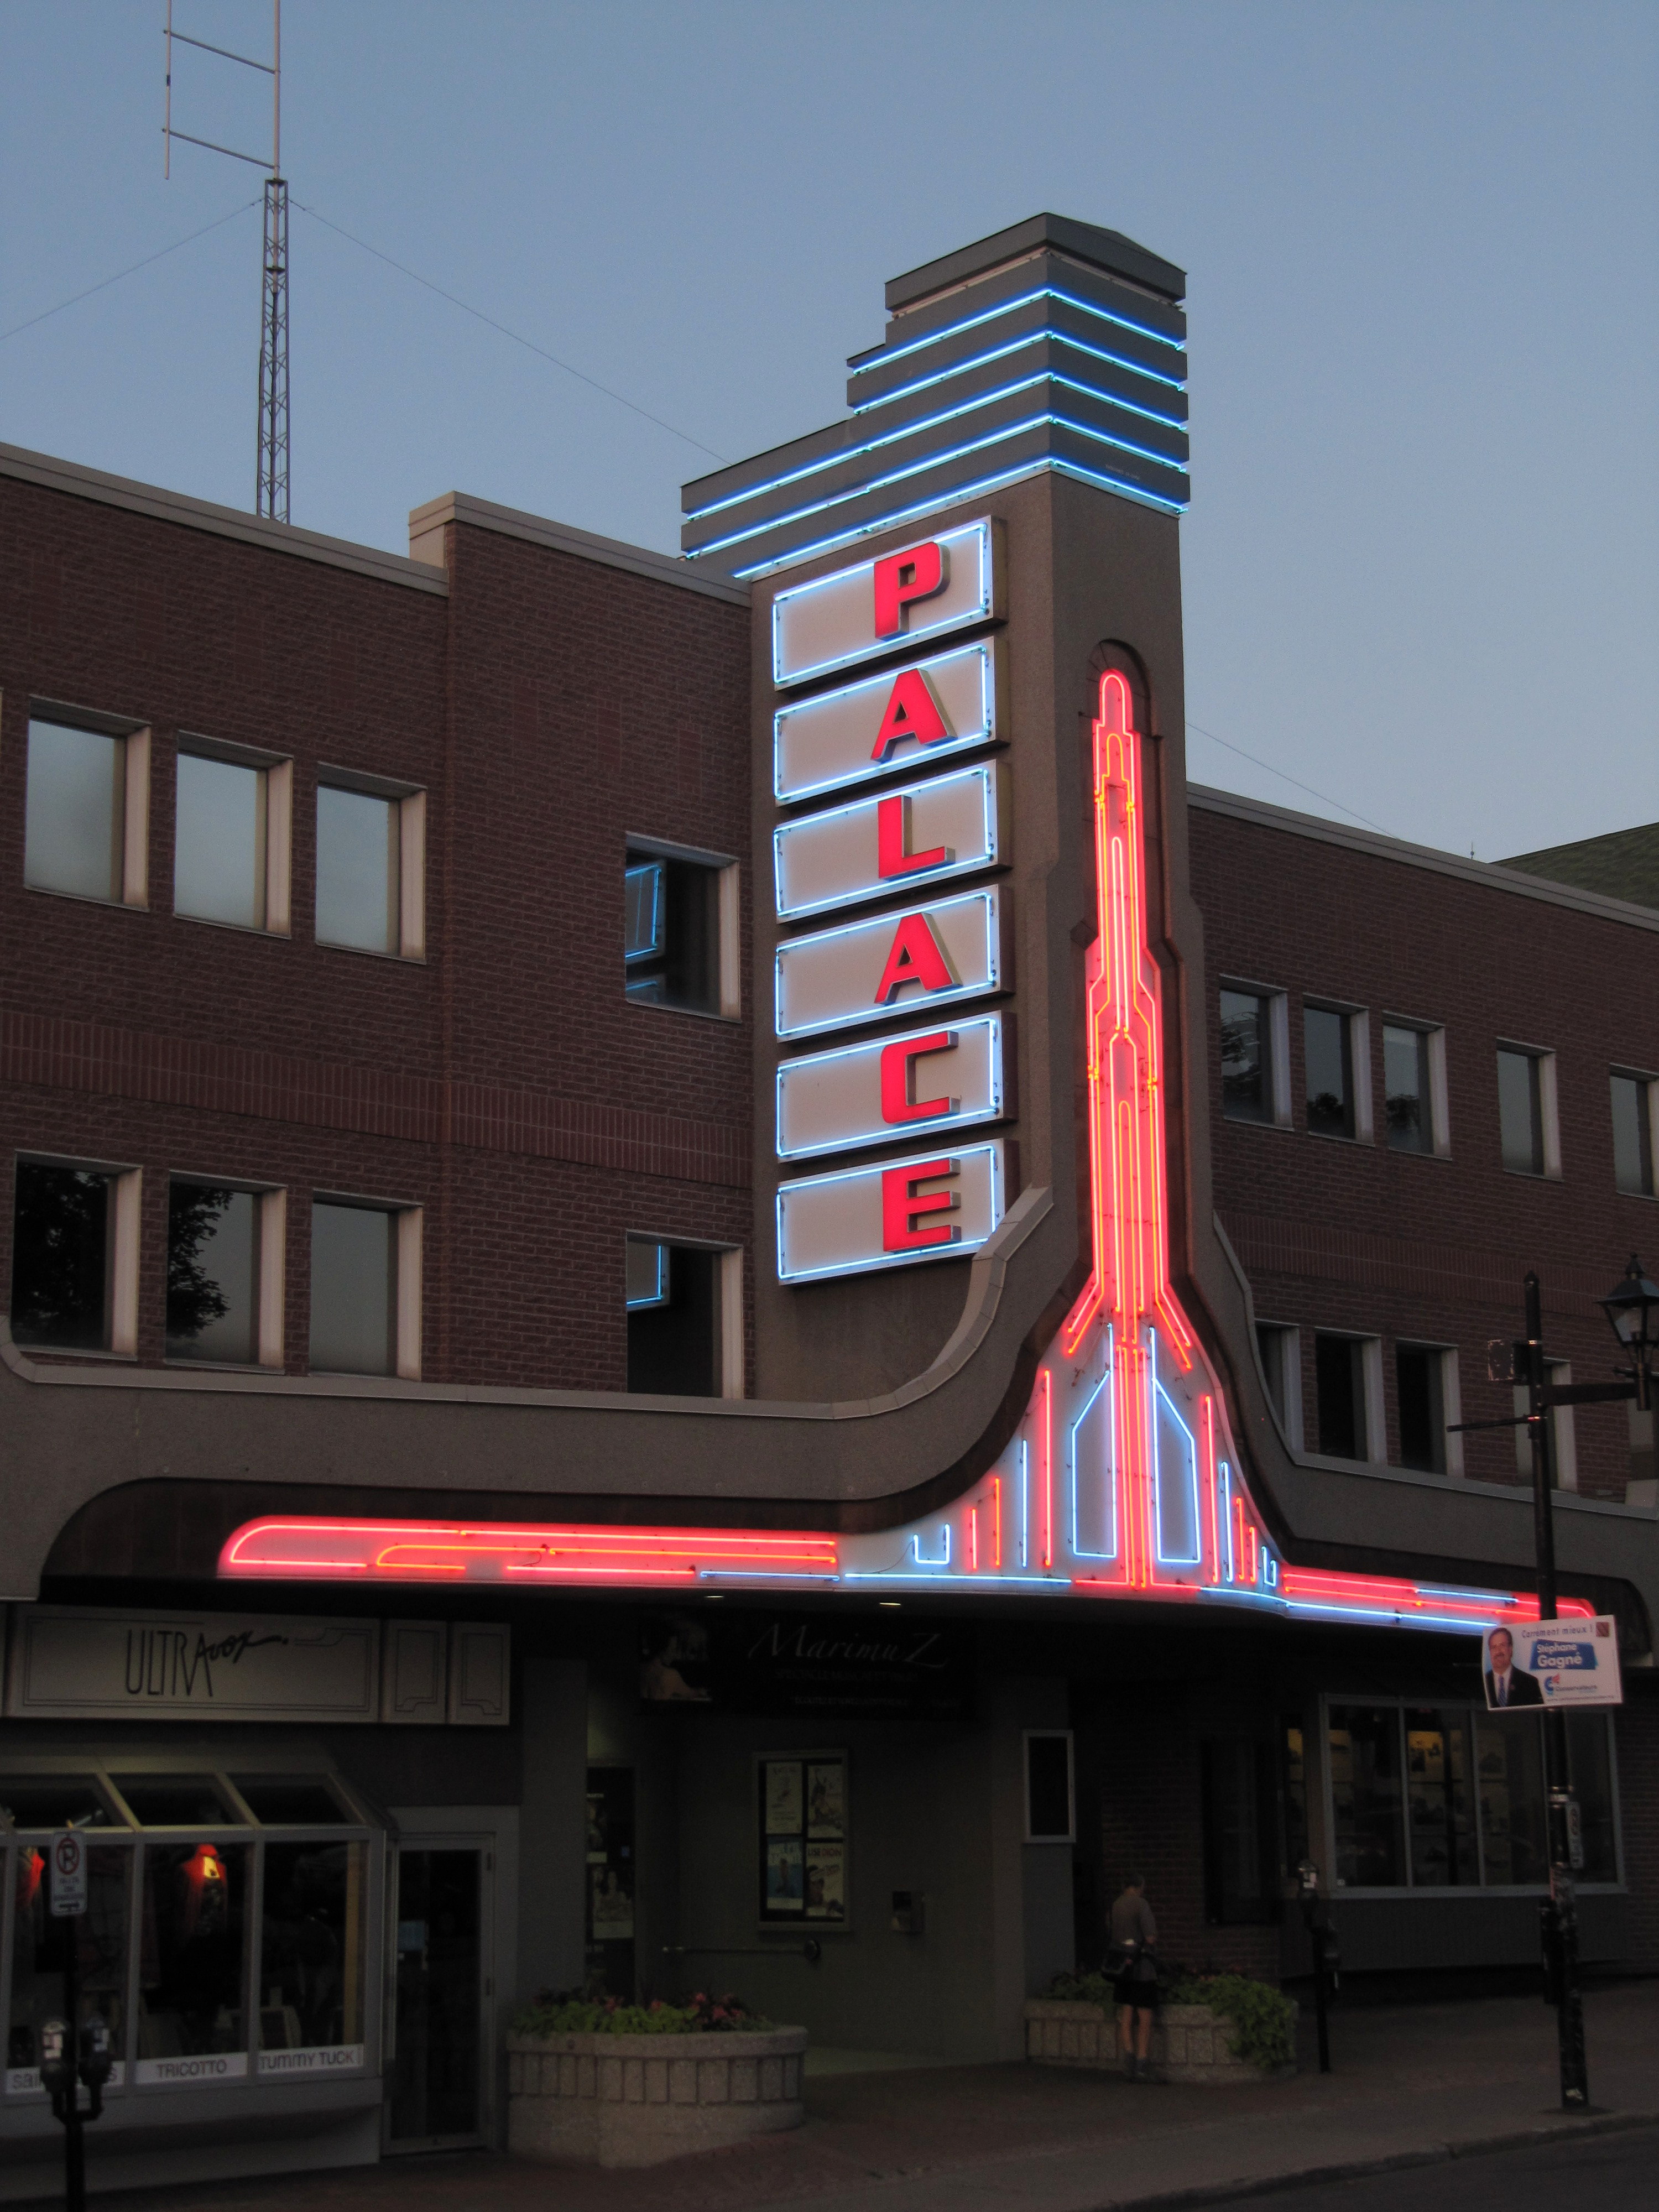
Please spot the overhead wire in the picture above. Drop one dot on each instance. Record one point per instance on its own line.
(1324, 797)
(104, 283)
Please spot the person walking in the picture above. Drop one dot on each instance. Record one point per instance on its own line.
(1135, 1968)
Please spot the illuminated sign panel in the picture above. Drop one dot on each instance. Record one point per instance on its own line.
(899, 720)
(925, 590)
(891, 1088)
(875, 847)
(902, 964)
(935, 1206)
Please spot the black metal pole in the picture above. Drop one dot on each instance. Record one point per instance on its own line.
(75, 2150)
(1569, 2009)
(1322, 2003)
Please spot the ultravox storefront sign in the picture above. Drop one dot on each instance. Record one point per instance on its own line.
(923, 591)
(70, 1663)
(932, 1206)
(907, 962)
(922, 1083)
(921, 834)
(898, 720)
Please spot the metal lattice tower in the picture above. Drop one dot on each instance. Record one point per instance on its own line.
(271, 496)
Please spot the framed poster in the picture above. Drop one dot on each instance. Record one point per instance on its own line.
(802, 1802)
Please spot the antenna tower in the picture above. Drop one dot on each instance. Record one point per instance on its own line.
(271, 494)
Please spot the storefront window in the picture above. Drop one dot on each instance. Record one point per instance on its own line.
(40, 1952)
(1512, 1824)
(1440, 1810)
(193, 2019)
(1589, 1755)
(310, 1957)
(1296, 1843)
(1366, 1796)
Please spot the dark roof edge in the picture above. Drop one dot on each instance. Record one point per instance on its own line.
(1085, 241)
(1486, 874)
(426, 527)
(163, 505)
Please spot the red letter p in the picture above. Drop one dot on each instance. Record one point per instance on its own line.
(915, 574)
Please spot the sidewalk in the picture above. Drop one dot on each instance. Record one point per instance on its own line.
(1413, 2083)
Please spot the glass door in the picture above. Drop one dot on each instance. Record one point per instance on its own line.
(435, 2084)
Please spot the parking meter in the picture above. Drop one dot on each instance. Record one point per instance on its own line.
(57, 2063)
(97, 2061)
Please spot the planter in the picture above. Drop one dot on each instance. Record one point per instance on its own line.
(1190, 2042)
(636, 2099)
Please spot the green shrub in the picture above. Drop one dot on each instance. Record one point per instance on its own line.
(1082, 1989)
(567, 2012)
(1261, 2019)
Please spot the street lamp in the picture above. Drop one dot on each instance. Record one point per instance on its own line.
(1632, 1309)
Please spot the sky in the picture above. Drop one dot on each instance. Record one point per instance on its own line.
(1421, 566)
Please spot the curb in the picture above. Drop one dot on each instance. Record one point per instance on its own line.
(1313, 2177)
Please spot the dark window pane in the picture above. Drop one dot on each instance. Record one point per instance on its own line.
(74, 819)
(311, 1950)
(1519, 1118)
(40, 1952)
(49, 1802)
(219, 842)
(1512, 1799)
(1440, 1802)
(1406, 1085)
(433, 2091)
(1047, 1785)
(1330, 1078)
(1297, 1840)
(673, 1343)
(1340, 1379)
(357, 878)
(1241, 1854)
(1246, 1058)
(671, 942)
(1419, 1373)
(212, 1273)
(646, 1274)
(296, 1804)
(1591, 1765)
(352, 1258)
(1271, 1343)
(190, 1977)
(1365, 1798)
(60, 1258)
(1632, 1137)
(176, 1801)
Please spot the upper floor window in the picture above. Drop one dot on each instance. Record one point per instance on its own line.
(231, 837)
(1334, 1044)
(75, 1257)
(224, 1274)
(87, 812)
(365, 1288)
(1414, 1087)
(1348, 1394)
(680, 931)
(1525, 1110)
(684, 1304)
(1426, 1393)
(371, 866)
(1633, 1100)
(1253, 1033)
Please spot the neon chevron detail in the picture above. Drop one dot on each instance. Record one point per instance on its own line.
(1125, 1387)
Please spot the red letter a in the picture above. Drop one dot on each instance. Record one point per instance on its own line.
(916, 957)
(912, 711)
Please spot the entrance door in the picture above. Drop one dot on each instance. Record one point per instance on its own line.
(435, 2074)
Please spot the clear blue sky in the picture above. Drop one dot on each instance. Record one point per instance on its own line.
(1422, 562)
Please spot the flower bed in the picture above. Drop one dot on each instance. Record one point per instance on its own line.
(631, 2085)
(1211, 2030)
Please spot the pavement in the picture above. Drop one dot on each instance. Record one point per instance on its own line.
(1414, 2086)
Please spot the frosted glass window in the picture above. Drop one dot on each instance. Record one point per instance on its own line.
(219, 847)
(74, 822)
(1520, 1112)
(1632, 1135)
(357, 878)
(353, 1253)
(213, 1285)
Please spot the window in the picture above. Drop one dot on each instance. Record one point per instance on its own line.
(1633, 1100)
(684, 1306)
(1425, 1382)
(371, 867)
(1241, 1834)
(231, 837)
(75, 1257)
(1247, 1066)
(1526, 1111)
(365, 1288)
(1563, 1437)
(1338, 1063)
(804, 1837)
(1347, 1378)
(1448, 1797)
(1050, 1789)
(1414, 1087)
(680, 945)
(225, 1273)
(1281, 1363)
(86, 813)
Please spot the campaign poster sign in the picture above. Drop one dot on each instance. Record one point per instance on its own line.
(1530, 1665)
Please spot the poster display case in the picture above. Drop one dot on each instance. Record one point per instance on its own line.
(804, 1840)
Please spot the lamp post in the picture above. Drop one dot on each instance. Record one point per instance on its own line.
(1632, 1307)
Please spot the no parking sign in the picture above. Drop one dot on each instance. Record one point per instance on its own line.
(69, 1875)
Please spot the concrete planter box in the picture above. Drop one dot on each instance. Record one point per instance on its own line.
(636, 2099)
(1190, 2042)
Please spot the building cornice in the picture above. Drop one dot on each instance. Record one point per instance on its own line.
(426, 529)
